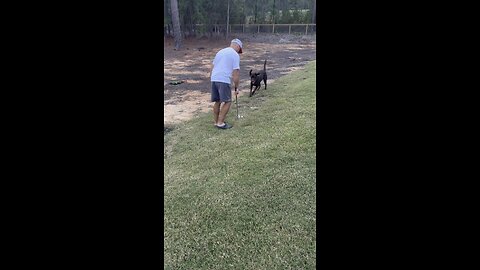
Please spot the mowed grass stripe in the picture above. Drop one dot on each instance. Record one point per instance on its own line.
(244, 198)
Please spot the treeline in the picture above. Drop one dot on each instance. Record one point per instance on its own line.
(209, 13)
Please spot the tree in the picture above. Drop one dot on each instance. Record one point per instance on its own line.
(255, 20)
(314, 13)
(228, 18)
(273, 12)
(177, 34)
(244, 16)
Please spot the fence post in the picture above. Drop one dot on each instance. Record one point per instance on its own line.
(243, 28)
(289, 28)
(306, 29)
(273, 29)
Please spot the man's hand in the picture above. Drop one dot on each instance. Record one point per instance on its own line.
(236, 91)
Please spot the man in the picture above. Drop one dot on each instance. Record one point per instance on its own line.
(225, 66)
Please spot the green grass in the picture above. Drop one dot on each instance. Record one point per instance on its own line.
(244, 198)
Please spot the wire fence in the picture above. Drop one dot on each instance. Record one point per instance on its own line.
(274, 28)
(212, 30)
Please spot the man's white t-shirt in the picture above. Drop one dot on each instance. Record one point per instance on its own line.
(224, 63)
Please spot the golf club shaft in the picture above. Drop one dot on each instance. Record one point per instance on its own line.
(236, 102)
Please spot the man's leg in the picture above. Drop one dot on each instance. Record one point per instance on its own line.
(226, 98)
(223, 113)
(216, 111)
(215, 98)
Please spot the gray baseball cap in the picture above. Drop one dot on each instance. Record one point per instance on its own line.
(239, 43)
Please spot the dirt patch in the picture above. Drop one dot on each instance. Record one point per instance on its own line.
(191, 65)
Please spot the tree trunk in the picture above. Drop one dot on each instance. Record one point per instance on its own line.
(244, 12)
(255, 16)
(273, 13)
(228, 18)
(314, 14)
(177, 34)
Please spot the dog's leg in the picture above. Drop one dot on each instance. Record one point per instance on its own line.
(251, 86)
(265, 74)
(255, 90)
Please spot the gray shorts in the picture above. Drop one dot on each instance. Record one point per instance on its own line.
(221, 92)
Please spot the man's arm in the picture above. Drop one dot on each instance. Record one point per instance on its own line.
(236, 78)
(211, 69)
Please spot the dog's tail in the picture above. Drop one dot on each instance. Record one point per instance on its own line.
(265, 65)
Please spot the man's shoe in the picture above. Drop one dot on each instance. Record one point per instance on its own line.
(225, 126)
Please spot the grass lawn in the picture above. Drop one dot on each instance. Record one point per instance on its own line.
(244, 198)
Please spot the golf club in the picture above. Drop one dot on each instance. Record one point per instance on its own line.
(236, 102)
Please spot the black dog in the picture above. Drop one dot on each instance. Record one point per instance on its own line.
(257, 77)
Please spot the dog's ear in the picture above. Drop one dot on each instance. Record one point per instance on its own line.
(250, 72)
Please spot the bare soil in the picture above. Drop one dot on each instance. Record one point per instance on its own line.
(191, 64)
